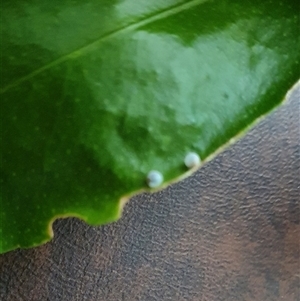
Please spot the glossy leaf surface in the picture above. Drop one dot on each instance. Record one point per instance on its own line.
(95, 94)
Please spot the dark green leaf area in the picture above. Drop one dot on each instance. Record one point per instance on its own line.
(37, 32)
(81, 130)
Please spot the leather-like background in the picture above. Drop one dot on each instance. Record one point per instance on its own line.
(230, 232)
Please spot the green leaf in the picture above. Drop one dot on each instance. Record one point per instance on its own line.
(97, 93)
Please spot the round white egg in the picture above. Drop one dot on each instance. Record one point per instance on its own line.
(154, 179)
(192, 160)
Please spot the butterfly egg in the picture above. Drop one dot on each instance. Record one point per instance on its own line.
(192, 160)
(154, 179)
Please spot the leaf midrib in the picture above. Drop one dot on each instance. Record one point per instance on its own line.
(129, 27)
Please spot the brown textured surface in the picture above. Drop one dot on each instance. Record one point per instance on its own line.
(230, 232)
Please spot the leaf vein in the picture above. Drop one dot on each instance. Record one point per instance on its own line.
(127, 28)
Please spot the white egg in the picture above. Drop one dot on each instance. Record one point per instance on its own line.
(154, 179)
(192, 160)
